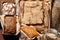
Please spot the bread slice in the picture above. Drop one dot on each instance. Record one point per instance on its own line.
(30, 31)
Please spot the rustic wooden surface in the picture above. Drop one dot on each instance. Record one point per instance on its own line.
(1, 37)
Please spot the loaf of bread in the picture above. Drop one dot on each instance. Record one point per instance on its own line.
(29, 31)
(10, 24)
(32, 12)
(8, 8)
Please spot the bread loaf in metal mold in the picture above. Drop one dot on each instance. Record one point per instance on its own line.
(10, 24)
